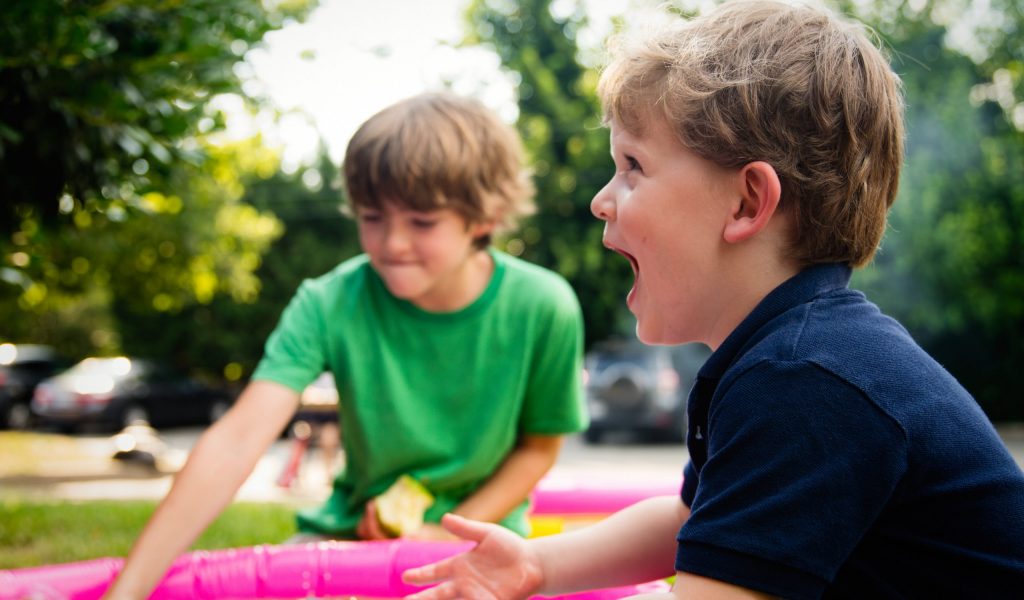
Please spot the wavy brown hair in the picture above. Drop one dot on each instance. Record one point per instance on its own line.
(440, 150)
(794, 86)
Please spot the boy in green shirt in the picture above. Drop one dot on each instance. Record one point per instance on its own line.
(456, 364)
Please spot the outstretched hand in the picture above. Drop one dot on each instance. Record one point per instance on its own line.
(501, 566)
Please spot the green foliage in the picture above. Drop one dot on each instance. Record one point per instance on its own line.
(951, 266)
(225, 337)
(34, 533)
(123, 221)
(169, 252)
(560, 122)
(97, 98)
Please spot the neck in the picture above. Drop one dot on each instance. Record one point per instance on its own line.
(463, 287)
(751, 279)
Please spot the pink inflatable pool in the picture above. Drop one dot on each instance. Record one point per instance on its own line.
(329, 569)
(561, 495)
(316, 570)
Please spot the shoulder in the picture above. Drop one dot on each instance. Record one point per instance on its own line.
(538, 294)
(535, 283)
(840, 332)
(843, 341)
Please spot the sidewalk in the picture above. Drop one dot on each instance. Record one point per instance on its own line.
(50, 466)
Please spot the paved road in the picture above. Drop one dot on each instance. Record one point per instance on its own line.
(80, 467)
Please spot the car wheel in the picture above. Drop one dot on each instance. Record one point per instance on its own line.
(134, 414)
(19, 417)
(217, 410)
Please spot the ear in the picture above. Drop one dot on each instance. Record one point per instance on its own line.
(750, 213)
(482, 228)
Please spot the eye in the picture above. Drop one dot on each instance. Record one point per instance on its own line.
(633, 164)
(420, 223)
(370, 217)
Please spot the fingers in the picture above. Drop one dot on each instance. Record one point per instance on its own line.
(369, 526)
(443, 591)
(431, 573)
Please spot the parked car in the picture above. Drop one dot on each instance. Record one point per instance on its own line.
(639, 389)
(120, 391)
(22, 367)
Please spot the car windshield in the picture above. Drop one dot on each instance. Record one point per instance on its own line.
(111, 367)
(12, 355)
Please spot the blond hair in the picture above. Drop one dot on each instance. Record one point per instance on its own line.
(439, 150)
(793, 86)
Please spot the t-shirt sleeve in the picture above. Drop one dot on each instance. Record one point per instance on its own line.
(554, 391)
(800, 463)
(295, 352)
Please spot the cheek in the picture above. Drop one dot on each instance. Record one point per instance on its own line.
(369, 238)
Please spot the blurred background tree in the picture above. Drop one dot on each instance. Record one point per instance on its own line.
(951, 266)
(124, 221)
(560, 122)
(99, 100)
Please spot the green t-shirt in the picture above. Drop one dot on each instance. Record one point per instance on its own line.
(440, 396)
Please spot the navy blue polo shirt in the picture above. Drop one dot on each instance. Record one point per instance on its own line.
(830, 456)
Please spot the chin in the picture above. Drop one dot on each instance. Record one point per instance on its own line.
(404, 292)
(651, 338)
(659, 337)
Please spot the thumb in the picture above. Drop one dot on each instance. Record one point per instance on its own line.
(464, 528)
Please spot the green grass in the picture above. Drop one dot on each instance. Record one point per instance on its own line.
(34, 533)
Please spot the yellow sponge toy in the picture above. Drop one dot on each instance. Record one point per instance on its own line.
(400, 509)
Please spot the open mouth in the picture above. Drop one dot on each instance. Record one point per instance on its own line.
(627, 256)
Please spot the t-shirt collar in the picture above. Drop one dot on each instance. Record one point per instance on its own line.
(809, 283)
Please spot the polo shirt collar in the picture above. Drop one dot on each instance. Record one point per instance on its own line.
(806, 285)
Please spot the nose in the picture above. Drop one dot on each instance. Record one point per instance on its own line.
(603, 204)
(396, 238)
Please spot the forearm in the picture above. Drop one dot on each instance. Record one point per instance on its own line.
(218, 465)
(634, 545)
(513, 481)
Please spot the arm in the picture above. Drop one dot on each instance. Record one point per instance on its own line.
(695, 587)
(634, 545)
(218, 465)
(514, 479)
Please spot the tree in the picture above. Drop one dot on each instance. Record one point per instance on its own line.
(560, 123)
(119, 216)
(316, 237)
(223, 334)
(98, 100)
(951, 265)
(106, 272)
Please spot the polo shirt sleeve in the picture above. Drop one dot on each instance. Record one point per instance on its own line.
(553, 401)
(800, 463)
(295, 352)
(689, 489)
